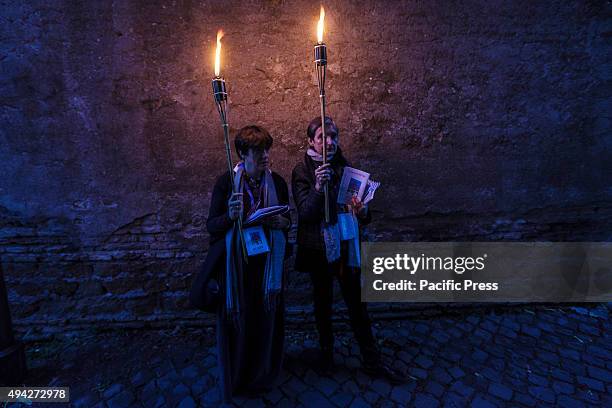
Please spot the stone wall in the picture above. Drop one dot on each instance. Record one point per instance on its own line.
(484, 120)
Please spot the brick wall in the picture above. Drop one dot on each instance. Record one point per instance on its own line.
(484, 120)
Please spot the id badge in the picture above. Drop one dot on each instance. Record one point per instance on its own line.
(345, 223)
(255, 240)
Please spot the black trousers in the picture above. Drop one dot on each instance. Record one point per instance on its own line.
(350, 284)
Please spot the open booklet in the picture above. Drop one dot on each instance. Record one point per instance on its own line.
(356, 183)
(266, 212)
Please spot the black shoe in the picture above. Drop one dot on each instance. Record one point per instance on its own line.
(380, 369)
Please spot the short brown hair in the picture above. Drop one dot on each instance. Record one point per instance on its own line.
(252, 137)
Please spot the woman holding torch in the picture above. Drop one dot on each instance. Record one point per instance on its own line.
(250, 325)
(320, 251)
(245, 287)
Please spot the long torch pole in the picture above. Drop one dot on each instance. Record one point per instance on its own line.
(220, 94)
(320, 54)
(228, 153)
(325, 186)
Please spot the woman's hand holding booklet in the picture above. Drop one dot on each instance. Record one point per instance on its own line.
(263, 214)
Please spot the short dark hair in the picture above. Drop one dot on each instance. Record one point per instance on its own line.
(252, 137)
(330, 127)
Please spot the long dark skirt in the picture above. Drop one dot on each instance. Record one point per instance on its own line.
(250, 358)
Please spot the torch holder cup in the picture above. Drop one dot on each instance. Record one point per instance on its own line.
(220, 94)
(219, 91)
(320, 54)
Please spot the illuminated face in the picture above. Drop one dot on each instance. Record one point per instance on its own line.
(256, 161)
(317, 141)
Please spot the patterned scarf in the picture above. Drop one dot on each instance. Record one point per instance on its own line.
(273, 273)
(331, 232)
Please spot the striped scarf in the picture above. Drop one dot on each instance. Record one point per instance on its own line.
(273, 273)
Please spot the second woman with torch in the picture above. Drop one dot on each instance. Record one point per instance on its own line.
(322, 254)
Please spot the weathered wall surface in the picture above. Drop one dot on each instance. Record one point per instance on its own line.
(484, 120)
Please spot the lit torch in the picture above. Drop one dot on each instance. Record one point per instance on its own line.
(220, 94)
(320, 59)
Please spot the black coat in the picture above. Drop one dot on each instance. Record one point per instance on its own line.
(218, 223)
(311, 213)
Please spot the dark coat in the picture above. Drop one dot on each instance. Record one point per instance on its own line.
(310, 203)
(202, 295)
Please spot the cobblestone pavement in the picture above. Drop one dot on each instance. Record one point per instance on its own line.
(533, 356)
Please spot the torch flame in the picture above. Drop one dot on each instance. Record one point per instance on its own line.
(218, 53)
(320, 26)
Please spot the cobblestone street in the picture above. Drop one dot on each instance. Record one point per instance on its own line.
(504, 356)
